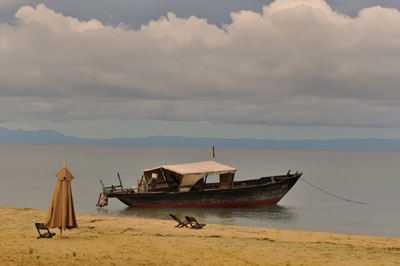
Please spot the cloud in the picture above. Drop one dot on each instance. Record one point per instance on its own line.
(4, 3)
(297, 62)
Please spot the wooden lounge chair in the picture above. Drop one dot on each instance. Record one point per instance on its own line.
(180, 222)
(41, 226)
(193, 223)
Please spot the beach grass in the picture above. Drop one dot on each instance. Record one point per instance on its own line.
(107, 240)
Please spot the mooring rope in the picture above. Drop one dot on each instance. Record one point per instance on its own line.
(333, 195)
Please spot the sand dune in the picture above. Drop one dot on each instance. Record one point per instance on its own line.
(105, 240)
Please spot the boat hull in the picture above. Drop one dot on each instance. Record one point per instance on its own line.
(248, 196)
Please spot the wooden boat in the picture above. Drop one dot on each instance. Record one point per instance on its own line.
(185, 185)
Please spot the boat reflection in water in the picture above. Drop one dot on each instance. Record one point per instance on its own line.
(266, 216)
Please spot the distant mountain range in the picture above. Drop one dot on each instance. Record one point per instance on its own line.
(54, 137)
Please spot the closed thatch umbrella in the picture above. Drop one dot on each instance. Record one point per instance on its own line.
(62, 214)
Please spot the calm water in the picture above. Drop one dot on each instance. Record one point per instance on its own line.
(27, 180)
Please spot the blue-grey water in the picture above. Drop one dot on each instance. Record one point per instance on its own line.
(27, 180)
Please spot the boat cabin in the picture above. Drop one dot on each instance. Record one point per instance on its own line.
(186, 177)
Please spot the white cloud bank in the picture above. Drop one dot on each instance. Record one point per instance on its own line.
(296, 63)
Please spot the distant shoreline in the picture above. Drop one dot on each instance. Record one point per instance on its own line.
(53, 137)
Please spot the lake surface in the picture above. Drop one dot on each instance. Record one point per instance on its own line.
(27, 180)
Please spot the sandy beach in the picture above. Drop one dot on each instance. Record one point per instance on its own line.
(105, 240)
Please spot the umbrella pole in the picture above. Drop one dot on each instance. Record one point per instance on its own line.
(60, 232)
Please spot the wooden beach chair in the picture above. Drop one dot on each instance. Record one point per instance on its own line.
(193, 223)
(180, 222)
(41, 226)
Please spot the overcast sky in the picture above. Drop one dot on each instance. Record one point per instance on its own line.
(264, 69)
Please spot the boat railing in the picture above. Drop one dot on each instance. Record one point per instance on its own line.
(264, 180)
(106, 191)
(113, 187)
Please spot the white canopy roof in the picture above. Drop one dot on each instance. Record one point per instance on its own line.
(207, 167)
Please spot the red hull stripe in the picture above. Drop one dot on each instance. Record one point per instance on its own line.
(208, 205)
